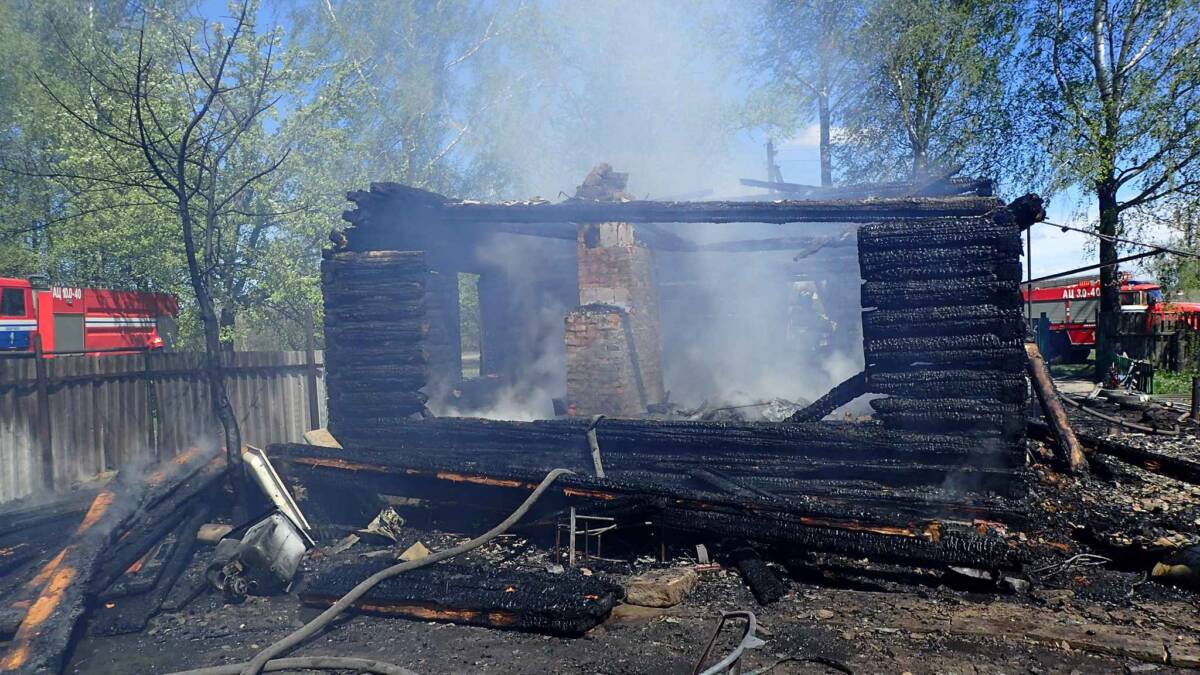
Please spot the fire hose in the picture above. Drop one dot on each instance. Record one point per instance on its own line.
(265, 660)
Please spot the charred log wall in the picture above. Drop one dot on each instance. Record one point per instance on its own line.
(374, 333)
(942, 327)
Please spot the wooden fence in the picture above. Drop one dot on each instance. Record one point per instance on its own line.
(98, 412)
(1171, 342)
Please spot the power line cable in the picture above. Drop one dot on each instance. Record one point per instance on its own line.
(1121, 240)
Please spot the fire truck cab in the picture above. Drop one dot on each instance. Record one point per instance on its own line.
(73, 319)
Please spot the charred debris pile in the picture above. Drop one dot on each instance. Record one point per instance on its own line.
(938, 485)
(938, 481)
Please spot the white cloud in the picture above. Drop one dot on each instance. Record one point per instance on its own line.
(808, 138)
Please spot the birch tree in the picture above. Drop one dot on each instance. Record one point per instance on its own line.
(1119, 87)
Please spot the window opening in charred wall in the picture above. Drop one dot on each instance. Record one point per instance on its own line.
(470, 327)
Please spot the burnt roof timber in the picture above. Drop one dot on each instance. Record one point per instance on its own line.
(941, 187)
(390, 204)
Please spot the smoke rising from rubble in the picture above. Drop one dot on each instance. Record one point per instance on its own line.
(648, 87)
(745, 327)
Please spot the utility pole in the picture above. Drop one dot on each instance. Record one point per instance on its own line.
(774, 175)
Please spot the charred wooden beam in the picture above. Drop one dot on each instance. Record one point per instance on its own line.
(1154, 462)
(44, 635)
(387, 209)
(811, 521)
(837, 397)
(1069, 450)
(762, 580)
(942, 187)
(147, 527)
(632, 443)
(131, 614)
(20, 515)
(567, 604)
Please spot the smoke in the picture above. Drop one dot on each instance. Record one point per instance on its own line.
(652, 88)
(646, 85)
(529, 283)
(745, 327)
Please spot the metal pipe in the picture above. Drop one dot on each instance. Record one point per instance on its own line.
(732, 661)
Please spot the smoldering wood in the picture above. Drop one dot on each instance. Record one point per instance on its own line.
(149, 525)
(144, 573)
(132, 614)
(837, 497)
(567, 604)
(41, 641)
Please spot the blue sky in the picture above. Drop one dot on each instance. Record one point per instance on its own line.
(1053, 249)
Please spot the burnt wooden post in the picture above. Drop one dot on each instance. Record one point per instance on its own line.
(43, 406)
(151, 404)
(1068, 447)
(310, 360)
(1196, 397)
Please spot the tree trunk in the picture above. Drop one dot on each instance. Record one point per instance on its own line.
(826, 151)
(212, 355)
(920, 164)
(1109, 318)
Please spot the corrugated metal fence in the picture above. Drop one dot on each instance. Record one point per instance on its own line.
(107, 410)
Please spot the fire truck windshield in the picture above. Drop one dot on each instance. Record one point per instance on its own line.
(1156, 295)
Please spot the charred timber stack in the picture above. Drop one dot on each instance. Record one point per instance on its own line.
(718, 481)
(374, 330)
(942, 327)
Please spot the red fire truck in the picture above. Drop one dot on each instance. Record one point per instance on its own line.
(1072, 304)
(71, 319)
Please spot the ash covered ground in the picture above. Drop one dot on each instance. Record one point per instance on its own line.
(1072, 618)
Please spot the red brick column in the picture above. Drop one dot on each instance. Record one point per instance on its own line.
(602, 376)
(620, 313)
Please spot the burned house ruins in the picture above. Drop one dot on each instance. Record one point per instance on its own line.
(932, 481)
(631, 507)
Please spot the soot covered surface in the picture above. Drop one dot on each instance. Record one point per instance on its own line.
(565, 604)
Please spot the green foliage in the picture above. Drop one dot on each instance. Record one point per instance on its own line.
(803, 49)
(1168, 383)
(1117, 86)
(935, 92)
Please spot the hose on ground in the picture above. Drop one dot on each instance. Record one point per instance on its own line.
(256, 665)
(310, 663)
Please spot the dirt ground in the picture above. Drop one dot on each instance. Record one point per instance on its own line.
(907, 628)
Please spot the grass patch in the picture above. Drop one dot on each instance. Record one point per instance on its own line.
(1174, 383)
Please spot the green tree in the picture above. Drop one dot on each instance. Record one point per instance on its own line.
(175, 115)
(933, 93)
(50, 222)
(398, 91)
(804, 51)
(1119, 87)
